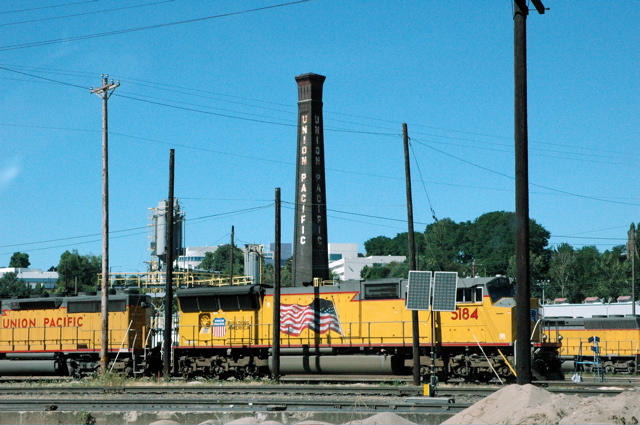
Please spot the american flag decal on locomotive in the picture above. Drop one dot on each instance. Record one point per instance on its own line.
(320, 316)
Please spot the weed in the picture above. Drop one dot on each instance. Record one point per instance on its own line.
(86, 418)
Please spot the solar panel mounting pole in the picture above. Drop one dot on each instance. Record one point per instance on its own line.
(104, 93)
(523, 285)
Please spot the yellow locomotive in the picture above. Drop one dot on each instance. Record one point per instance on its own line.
(357, 327)
(600, 343)
(62, 335)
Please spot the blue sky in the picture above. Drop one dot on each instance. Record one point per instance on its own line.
(221, 92)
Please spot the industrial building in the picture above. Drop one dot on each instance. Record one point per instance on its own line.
(346, 263)
(33, 276)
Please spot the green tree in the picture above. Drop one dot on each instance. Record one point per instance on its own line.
(615, 273)
(19, 260)
(220, 260)
(587, 273)
(286, 275)
(399, 269)
(562, 271)
(443, 241)
(268, 274)
(490, 241)
(81, 269)
(485, 246)
(375, 271)
(11, 286)
(381, 271)
(377, 246)
(539, 274)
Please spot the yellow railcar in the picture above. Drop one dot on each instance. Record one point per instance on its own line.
(63, 335)
(611, 343)
(359, 327)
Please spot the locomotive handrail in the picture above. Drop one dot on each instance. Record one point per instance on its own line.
(156, 280)
(260, 334)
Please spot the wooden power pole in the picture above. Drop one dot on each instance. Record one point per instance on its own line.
(523, 285)
(632, 251)
(412, 257)
(168, 296)
(275, 345)
(104, 93)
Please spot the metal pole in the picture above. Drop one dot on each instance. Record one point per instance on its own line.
(168, 297)
(523, 289)
(104, 93)
(631, 252)
(412, 257)
(231, 257)
(276, 294)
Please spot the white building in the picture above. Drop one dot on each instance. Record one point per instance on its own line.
(346, 263)
(33, 276)
(193, 256)
(339, 251)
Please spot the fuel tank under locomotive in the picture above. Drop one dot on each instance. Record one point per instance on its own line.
(32, 364)
(340, 365)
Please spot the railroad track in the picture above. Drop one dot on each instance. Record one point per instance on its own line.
(236, 405)
(270, 394)
(231, 399)
(340, 403)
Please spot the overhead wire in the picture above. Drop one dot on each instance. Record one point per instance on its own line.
(424, 143)
(329, 129)
(415, 159)
(144, 28)
(75, 15)
(112, 232)
(595, 157)
(564, 192)
(51, 6)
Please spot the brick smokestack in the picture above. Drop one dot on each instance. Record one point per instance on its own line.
(310, 249)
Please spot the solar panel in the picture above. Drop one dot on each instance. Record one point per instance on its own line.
(444, 291)
(419, 290)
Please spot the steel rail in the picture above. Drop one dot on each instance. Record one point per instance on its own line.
(297, 405)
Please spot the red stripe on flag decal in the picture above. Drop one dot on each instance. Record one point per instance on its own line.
(320, 316)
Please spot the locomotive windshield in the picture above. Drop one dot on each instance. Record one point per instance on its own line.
(500, 287)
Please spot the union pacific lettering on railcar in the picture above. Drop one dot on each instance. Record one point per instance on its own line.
(50, 322)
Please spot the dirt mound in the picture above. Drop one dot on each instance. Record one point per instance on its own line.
(527, 404)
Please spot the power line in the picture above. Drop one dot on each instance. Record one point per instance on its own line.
(111, 232)
(48, 7)
(44, 78)
(433, 213)
(145, 28)
(83, 13)
(597, 153)
(532, 184)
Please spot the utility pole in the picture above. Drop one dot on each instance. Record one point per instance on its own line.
(104, 93)
(275, 353)
(412, 256)
(523, 284)
(168, 295)
(632, 251)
